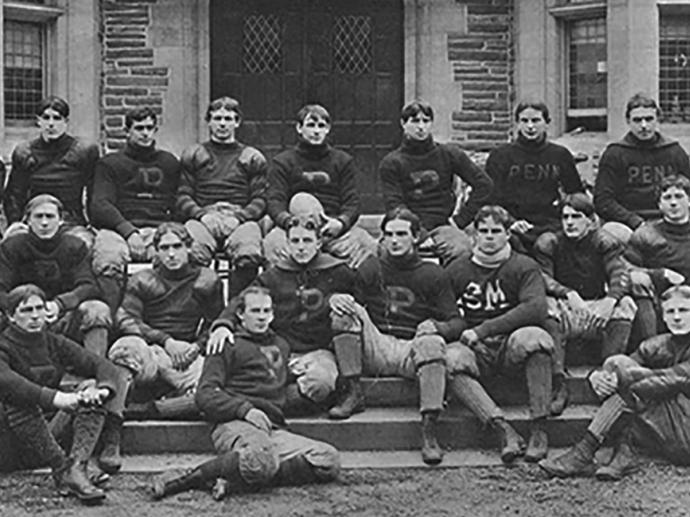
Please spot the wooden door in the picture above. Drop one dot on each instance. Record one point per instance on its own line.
(274, 56)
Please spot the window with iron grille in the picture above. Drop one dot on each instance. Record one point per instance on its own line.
(587, 74)
(674, 66)
(262, 47)
(23, 68)
(352, 45)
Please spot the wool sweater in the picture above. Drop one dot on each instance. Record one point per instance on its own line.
(327, 173)
(419, 176)
(528, 178)
(630, 172)
(63, 167)
(301, 296)
(252, 373)
(658, 245)
(498, 301)
(61, 266)
(586, 265)
(134, 187)
(160, 304)
(401, 292)
(213, 172)
(33, 363)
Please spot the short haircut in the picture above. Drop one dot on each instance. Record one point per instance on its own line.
(55, 103)
(308, 222)
(534, 104)
(672, 181)
(313, 110)
(641, 100)
(42, 199)
(414, 108)
(139, 114)
(577, 201)
(227, 103)
(175, 228)
(495, 212)
(20, 294)
(404, 214)
(240, 301)
(677, 291)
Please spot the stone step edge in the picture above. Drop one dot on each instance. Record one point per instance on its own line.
(383, 415)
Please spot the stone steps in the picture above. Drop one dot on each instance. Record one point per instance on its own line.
(378, 428)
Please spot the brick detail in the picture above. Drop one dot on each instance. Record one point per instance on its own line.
(482, 59)
(131, 78)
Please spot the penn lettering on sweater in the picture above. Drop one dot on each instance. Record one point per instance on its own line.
(400, 293)
(586, 265)
(420, 176)
(328, 174)
(134, 187)
(63, 167)
(630, 172)
(658, 245)
(61, 266)
(528, 178)
(234, 173)
(301, 295)
(32, 365)
(498, 301)
(160, 304)
(252, 373)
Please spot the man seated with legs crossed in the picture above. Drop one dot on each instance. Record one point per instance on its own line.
(644, 402)
(159, 321)
(33, 361)
(501, 296)
(301, 286)
(243, 393)
(587, 282)
(222, 194)
(404, 313)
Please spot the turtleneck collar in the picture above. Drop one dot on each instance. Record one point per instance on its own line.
(177, 274)
(21, 336)
(319, 262)
(139, 153)
(57, 143)
(409, 261)
(312, 151)
(412, 146)
(46, 244)
(492, 261)
(679, 229)
(265, 338)
(648, 144)
(531, 145)
(224, 147)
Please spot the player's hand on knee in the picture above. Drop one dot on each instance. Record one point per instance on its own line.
(136, 245)
(66, 401)
(602, 312)
(603, 383)
(178, 350)
(469, 338)
(219, 338)
(259, 419)
(343, 304)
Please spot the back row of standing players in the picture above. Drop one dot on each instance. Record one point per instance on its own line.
(222, 190)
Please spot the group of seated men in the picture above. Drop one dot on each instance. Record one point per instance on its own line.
(527, 264)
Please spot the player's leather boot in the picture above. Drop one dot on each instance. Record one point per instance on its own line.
(109, 459)
(623, 463)
(175, 481)
(72, 480)
(538, 444)
(432, 454)
(351, 400)
(512, 444)
(576, 461)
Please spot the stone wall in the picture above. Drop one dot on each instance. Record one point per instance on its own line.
(482, 59)
(131, 77)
